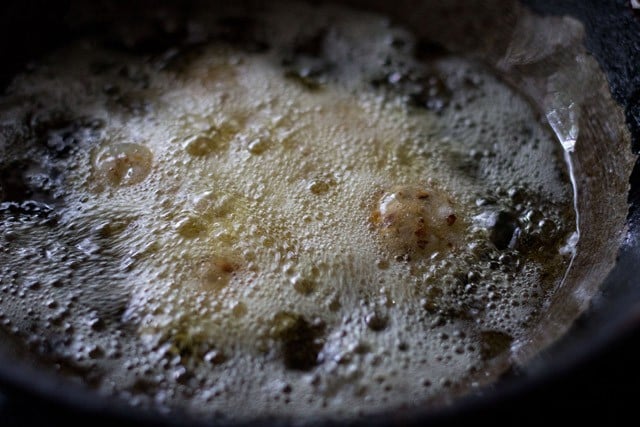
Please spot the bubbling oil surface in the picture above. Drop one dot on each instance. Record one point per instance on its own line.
(311, 221)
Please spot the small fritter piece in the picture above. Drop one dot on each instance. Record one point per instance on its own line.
(413, 220)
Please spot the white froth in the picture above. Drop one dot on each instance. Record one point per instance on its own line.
(219, 218)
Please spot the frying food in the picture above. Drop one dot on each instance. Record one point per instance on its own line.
(286, 211)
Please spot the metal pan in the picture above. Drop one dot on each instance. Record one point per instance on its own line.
(596, 353)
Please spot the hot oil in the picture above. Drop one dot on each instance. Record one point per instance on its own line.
(315, 222)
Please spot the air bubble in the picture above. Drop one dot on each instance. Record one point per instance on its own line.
(190, 227)
(199, 146)
(376, 322)
(304, 286)
(258, 146)
(123, 164)
(239, 310)
(318, 187)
